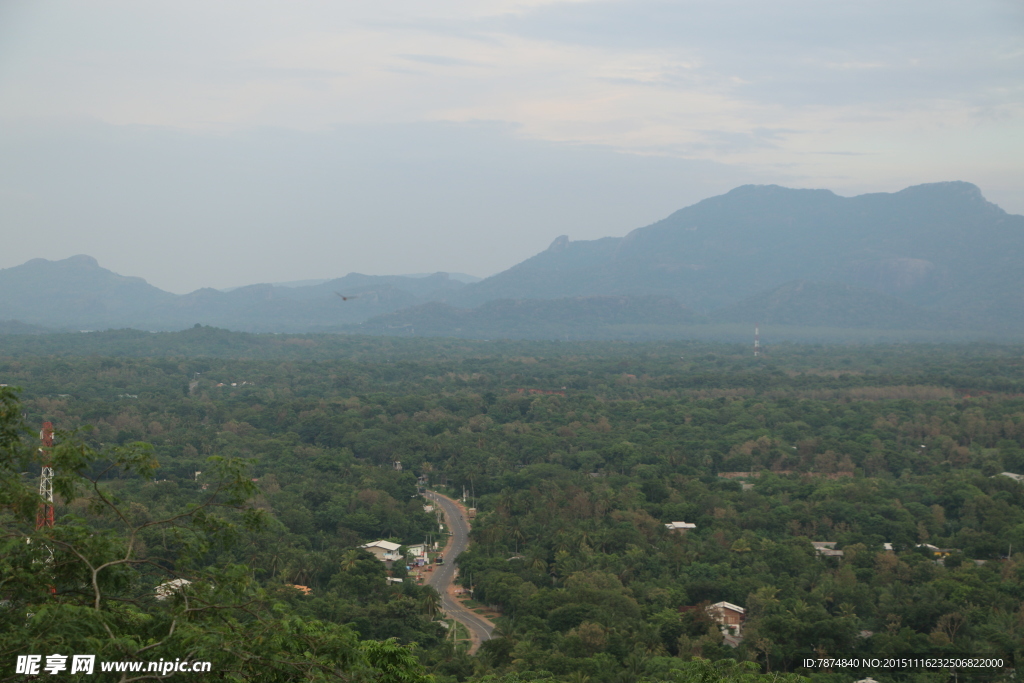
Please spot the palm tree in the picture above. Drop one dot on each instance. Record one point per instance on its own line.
(583, 540)
(430, 603)
(297, 571)
(505, 500)
(274, 560)
(538, 560)
(562, 544)
(636, 664)
(349, 560)
(506, 627)
(513, 529)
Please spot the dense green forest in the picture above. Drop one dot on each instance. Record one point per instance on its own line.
(576, 455)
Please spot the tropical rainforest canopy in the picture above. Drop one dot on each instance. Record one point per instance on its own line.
(247, 464)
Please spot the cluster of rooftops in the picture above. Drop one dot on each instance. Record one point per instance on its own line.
(825, 548)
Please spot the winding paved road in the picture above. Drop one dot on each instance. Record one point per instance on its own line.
(443, 575)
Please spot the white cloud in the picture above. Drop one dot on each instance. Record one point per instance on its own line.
(633, 75)
(857, 96)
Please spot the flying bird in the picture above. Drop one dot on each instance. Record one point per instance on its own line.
(346, 298)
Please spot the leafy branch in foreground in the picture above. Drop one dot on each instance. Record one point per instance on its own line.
(108, 580)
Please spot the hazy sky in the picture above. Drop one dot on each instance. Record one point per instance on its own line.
(231, 142)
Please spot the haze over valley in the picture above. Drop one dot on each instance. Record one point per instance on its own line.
(512, 341)
(935, 257)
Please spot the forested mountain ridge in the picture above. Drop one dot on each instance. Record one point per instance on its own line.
(939, 245)
(77, 293)
(834, 305)
(930, 257)
(74, 292)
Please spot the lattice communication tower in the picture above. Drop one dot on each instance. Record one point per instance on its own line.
(45, 515)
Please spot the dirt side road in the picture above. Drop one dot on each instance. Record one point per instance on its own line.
(443, 576)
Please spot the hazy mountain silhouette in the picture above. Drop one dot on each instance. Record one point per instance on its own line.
(74, 293)
(77, 293)
(935, 256)
(941, 246)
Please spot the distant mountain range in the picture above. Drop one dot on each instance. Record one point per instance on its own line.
(77, 293)
(458, 277)
(931, 257)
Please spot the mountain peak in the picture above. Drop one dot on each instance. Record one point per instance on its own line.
(560, 243)
(772, 190)
(947, 187)
(934, 246)
(956, 191)
(82, 260)
(953, 195)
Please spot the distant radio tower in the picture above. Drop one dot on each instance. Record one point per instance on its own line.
(45, 515)
(757, 339)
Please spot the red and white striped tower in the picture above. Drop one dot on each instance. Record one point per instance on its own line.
(757, 339)
(45, 515)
